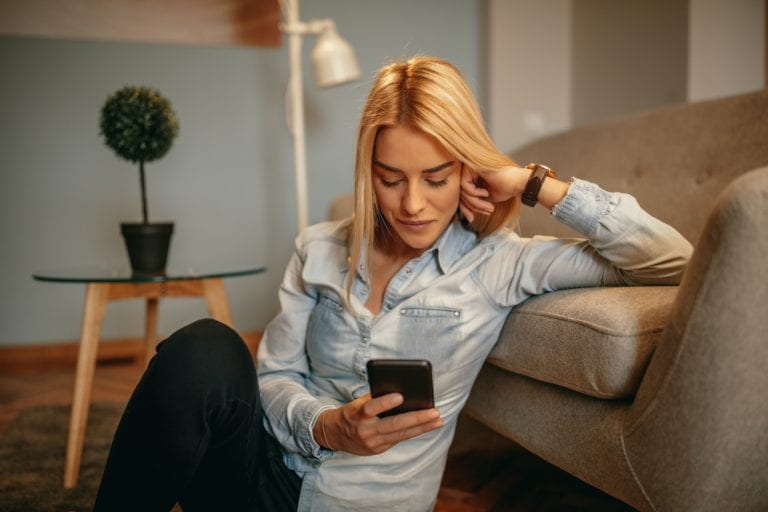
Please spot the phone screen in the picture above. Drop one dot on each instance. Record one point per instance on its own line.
(412, 378)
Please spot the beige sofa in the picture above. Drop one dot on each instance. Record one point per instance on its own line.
(655, 395)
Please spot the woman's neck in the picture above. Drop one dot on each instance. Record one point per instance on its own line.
(385, 263)
(389, 246)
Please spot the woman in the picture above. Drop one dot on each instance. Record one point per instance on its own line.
(424, 269)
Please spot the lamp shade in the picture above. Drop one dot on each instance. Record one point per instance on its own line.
(333, 60)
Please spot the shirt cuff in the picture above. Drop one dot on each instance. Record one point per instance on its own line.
(308, 438)
(583, 205)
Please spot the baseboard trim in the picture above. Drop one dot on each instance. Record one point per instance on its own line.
(64, 354)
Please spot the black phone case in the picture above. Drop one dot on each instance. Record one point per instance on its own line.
(412, 378)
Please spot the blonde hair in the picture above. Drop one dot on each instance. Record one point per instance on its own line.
(431, 95)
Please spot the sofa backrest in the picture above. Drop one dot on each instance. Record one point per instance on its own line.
(674, 160)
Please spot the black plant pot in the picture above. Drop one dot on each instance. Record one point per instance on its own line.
(147, 245)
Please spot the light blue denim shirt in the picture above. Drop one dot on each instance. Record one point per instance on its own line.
(448, 306)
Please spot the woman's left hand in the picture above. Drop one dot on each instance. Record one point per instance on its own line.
(480, 190)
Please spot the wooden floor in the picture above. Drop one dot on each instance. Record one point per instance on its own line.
(485, 471)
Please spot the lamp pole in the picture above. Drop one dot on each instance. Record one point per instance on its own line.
(297, 112)
(334, 63)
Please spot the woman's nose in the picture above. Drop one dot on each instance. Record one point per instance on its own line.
(414, 200)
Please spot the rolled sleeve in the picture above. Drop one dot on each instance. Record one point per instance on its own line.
(640, 248)
(290, 403)
(584, 205)
(282, 366)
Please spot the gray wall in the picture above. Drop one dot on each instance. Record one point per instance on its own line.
(627, 56)
(227, 182)
(727, 45)
(595, 59)
(529, 70)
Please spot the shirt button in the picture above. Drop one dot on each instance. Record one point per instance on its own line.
(365, 339)
(403, 311)
(408, 271)
(387, 306)
(456, 313)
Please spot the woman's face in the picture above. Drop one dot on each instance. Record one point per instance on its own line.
(417, 184)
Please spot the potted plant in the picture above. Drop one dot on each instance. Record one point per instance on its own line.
(139, 124)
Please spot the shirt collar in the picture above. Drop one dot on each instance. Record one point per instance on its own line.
(452, 244)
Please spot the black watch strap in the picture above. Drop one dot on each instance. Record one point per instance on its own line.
(539, 173)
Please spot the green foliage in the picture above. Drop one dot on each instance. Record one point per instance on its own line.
(138, 123)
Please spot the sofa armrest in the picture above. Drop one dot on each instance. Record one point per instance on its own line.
(596, 341)
(697, 434)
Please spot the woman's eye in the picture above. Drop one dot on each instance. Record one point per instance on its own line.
(390, 184)
(431, 183)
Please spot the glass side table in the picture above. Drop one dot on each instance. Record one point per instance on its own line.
(109, 284)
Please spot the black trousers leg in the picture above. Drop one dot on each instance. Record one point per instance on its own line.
(192, 432)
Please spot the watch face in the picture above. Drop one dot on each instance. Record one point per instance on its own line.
(550, 173)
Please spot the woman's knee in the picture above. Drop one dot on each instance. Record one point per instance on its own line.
(207, 349)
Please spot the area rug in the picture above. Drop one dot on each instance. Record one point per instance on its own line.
(33, 447)
(32, 451)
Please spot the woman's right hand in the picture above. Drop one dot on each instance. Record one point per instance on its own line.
(356, 428)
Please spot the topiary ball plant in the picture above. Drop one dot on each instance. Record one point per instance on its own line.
(139, 124)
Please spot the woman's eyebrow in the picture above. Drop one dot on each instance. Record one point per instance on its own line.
(436, 168)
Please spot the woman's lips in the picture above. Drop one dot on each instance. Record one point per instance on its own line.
(414, 225)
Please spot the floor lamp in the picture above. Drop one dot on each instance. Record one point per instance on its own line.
(334, 63)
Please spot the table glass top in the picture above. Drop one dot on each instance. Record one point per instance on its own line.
(121, 274)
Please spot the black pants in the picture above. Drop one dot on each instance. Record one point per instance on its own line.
(192, 432)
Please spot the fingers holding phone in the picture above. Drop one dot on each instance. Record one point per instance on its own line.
(400, 407)
(396, 428)
(357, 428)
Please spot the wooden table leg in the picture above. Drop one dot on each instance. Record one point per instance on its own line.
(95, 304)
(216, 297)
(97, 296)
(150, 329)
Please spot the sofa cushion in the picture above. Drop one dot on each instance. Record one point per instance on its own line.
(597, 341)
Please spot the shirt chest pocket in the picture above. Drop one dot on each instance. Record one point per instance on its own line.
(429, 332)
(328, 337)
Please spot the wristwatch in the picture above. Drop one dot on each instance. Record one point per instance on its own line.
(539, 173)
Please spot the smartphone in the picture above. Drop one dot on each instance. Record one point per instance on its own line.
(412, 378)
